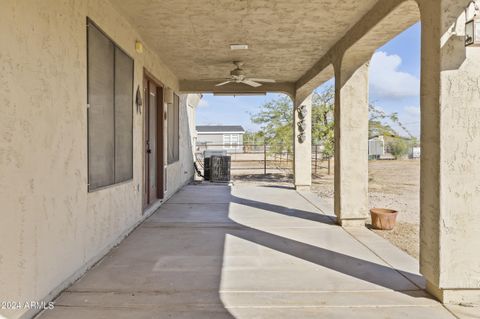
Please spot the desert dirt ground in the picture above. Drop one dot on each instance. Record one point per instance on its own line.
(392, 184)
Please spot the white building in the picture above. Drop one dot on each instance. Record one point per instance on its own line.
(376, 147)
(220, 137)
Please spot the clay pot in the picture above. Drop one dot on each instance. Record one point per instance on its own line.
(383, 218)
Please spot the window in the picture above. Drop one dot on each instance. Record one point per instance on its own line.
(173, 130)
(230, 141)
(110, 111)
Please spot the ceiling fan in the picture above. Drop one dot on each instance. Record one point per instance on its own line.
(237, 75)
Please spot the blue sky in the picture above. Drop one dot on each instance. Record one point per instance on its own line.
(394, 87)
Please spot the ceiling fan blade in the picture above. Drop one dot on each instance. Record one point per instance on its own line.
(262, 80)
(251, 83)
(213, 79)
(223, 83)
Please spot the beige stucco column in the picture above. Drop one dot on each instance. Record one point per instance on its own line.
(351, 145)
(302, 145)
(450, 164)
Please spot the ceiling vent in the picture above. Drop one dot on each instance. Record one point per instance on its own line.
(238, 47)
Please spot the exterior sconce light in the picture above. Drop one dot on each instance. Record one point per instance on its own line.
(138, 46)
(472, 32)
(302, 125)
(472, 26)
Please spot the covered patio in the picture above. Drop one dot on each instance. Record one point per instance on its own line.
(214, 251)
(96, 137)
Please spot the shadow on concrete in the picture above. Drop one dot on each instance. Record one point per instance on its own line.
(278, 186)
(174, 264)
(292, 212)
(269, 177)
(355, 267)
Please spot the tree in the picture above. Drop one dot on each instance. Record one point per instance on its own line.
(376, 127)
(253, 138)
(323, 127)
(276, 118)
(398, 147)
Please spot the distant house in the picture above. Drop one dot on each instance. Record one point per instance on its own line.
(415, 152)
(376, 147)
(221, 137)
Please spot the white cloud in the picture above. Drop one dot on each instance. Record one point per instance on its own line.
(202, 103)
(387, 81)
(413, 111)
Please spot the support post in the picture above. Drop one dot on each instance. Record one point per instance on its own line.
(351, 145)
(302, 142)
(264, 158)
(450, 141)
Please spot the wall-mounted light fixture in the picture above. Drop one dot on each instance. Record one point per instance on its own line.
(138, 46)
(472, 26)
(472, 32)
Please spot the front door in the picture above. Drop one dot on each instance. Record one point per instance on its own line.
(153, 142)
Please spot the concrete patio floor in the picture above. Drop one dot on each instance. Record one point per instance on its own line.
(249, 252)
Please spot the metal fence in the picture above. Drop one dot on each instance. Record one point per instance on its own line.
(264, 158)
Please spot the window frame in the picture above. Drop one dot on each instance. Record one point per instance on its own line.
(90, 22)
(231, 141)
(176, 132)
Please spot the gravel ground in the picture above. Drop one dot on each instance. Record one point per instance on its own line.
(392, 184)
(396, 185)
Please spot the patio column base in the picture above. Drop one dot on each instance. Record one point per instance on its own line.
(454, 296)
(302, 188)
(357, 222)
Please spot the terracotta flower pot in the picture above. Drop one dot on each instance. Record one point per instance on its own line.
(383, 218)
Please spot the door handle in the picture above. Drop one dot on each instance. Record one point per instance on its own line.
(148, 147)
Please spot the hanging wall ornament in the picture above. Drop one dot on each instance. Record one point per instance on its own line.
(302, 111)
(302, 125)
(138, 100)
(301, 138)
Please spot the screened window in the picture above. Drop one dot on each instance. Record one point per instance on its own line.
(110, 111)
(173, 122)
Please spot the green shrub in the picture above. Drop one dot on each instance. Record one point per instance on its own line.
(398, 147)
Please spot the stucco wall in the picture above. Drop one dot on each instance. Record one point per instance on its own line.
(182, 170)
(216, 138)
(210, 138)
(51, 227)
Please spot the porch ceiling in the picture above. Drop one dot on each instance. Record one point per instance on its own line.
(286, 38)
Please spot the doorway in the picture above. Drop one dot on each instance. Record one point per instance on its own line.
(154, 181)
